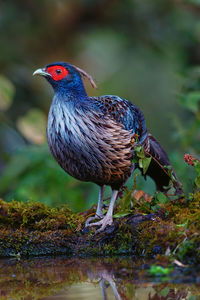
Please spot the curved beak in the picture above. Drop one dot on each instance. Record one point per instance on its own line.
(41, 72)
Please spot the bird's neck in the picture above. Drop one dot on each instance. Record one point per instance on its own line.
(75, 93)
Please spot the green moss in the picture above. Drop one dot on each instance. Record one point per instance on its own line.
(37, 216)
(30, 229)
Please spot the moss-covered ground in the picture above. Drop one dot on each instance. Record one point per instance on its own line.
(168, 228)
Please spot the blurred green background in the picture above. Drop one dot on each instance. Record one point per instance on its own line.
(145, 51)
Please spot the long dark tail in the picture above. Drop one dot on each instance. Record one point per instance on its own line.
(157, 168)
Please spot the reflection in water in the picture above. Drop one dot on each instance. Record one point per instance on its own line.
(104, 278)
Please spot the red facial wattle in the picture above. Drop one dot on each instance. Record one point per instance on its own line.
(57, 72)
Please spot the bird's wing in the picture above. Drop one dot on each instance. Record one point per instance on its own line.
(122, 111)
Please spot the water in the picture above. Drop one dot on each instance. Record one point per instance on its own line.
(64, 278)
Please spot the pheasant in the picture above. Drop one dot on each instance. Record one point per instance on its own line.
(93, 138)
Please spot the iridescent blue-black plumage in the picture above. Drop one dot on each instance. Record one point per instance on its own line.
(123, 112)
(92, 137)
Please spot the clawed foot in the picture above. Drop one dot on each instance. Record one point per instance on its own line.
(107, 220)
(87, 223)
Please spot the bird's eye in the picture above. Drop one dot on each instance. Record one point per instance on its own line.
(58, 71)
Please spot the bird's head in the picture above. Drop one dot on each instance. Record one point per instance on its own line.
(62, 75)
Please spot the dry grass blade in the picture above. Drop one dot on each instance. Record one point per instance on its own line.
(85, 74)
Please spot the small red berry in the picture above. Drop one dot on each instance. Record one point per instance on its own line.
(189, 159)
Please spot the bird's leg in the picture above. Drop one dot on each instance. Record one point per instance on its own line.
(99, 212)
(107, 220)
(103, 289)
